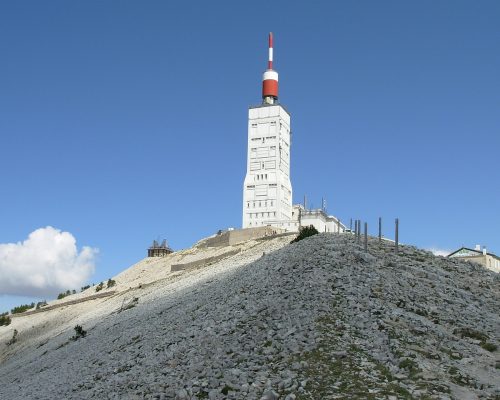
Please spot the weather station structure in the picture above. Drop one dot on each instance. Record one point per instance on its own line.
(267, 189)
(158, 249)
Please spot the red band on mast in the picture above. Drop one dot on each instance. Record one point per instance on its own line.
(270, 78)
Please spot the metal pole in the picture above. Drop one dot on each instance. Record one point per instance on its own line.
(366, 236)
(359, 231)
(350, 226)
(379, 230)
(397, 235)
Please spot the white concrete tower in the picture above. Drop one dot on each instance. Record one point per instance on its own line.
(267, 191)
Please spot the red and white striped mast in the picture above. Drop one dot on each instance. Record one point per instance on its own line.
(270, 78)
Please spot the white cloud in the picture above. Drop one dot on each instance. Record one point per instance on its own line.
(46, 263)
(439, 252)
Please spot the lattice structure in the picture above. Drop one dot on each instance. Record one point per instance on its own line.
(159, 250)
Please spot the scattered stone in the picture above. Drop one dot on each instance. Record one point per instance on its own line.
(318, 319)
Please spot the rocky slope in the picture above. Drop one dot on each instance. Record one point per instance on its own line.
(318, 319)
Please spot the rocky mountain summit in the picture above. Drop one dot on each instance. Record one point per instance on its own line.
(316, 319)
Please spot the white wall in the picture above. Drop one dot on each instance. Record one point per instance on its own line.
(267, 190)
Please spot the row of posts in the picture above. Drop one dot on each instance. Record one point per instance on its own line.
(357, 233)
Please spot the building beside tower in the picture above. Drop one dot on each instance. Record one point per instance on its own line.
(267, 189)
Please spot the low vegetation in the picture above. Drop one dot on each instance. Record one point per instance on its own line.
(41, 304)
(489, 346)
(65, 294)
(4, 319)
(79, 332)
(14, 338)
(476, 335)
(109, 284)
(22, 308)
(85, 287)
(304, 232)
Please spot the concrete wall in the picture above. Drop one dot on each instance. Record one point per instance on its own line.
(203, 261)
(66, 303)
(229, 238)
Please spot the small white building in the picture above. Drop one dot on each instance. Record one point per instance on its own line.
(318, 218)
(478, 255)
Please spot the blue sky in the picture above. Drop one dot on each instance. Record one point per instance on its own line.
(123, 122)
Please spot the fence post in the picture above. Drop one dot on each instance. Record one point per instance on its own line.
(379, 230)
(366, 236)
(359, 231)
(397, 236)
(350, 226)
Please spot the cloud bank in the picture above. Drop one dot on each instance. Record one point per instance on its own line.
(46, 263)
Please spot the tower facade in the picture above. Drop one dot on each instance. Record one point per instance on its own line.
(267, 190)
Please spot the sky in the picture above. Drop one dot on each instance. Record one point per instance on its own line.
(125, 122)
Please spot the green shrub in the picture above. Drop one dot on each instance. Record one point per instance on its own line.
(65, 294)
(14, 338)
(79, 333)
(471, 333)
(111, 283)
(40, 304)
(99, 287)
(22, 308)
(4, 320)
(85, 287)
(489, 346)
(304, 232)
